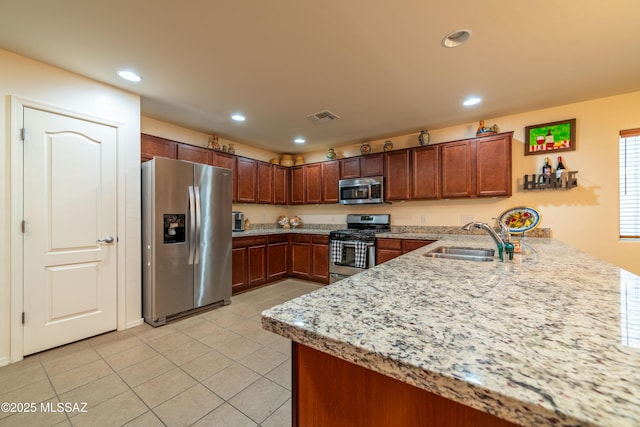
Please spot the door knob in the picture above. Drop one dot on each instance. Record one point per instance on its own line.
(108, 239)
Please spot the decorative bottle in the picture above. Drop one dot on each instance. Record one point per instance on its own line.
(546, 168)
(561, 168)
(365, 148)
(331, 153)
(388, 145)
(424, 137)
(231, 149)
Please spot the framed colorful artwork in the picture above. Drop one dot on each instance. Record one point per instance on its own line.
(550, 138)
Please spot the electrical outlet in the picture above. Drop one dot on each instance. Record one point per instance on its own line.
(423, 219)
(466, 219)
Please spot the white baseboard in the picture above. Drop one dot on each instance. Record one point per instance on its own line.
(135, 323)
(4, 361)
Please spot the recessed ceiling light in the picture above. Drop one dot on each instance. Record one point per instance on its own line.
(456, 38)
(238, 117)
(472, 100)
(299, 140)
(129, 75)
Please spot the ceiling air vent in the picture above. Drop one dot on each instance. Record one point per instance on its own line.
(323, 116)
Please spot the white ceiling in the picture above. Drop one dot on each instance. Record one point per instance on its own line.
(378, 64)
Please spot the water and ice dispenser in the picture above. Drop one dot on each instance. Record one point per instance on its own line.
(174, 228)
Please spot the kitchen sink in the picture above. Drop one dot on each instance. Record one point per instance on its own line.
(457, 252)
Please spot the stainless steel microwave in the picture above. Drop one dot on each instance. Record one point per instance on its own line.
(361, 190)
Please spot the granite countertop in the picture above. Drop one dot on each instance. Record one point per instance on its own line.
(551, 338)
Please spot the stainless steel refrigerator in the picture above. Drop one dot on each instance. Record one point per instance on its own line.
(186, 238)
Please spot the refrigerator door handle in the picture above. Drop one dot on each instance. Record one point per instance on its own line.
(192, 225)
(198, 221)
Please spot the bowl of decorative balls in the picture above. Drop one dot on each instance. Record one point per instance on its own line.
(283, 221)
(295, 221)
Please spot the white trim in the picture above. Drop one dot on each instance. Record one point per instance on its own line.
(17, 213)
(4, 361)
(135, 323)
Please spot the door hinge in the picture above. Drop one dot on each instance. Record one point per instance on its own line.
(23, 225)
(23, 316)
(23, 133)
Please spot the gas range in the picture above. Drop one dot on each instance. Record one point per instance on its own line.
(363, 227)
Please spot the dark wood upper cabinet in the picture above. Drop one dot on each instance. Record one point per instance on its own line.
(425, 173)
(372, 164)
(280, 185)
(151, 146)
(191, 153)
(225, 160)
(313, 183)
(396, 184)
(479, 167)
(493, 165)
(265, 182)
(247, 180)
(350, 168)
(330, 179)
(457, 169)
(297, 185)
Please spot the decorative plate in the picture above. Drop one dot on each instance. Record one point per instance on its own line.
(520, 219)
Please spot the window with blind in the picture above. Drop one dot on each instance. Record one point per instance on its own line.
(630, 184)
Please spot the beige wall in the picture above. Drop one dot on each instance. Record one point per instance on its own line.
(33, 81)
(585, 217)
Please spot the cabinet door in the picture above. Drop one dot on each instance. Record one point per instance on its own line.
(280, 185)
(277, 260)
(265, 182)
(425, 173)
(397, 176)
(493, 166)
(313, 181)
(387, 249)
(297, 185)
(239, 262)
(224, 160)
(372, 164)
(151, 146)
(320, 262)
(257, 264)
(247, 179)
(350, 168)
(330, 178)
(300, 257)
(456, 169)
(191, 153)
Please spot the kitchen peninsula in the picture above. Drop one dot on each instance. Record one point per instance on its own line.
(550, 338)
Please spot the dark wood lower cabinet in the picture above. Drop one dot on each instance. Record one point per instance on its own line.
(259, 260)
(277, 257)
(310, 257)
(249, 270)
(387, 249)
(330, 392)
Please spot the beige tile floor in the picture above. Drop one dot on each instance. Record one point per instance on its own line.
(217, 368)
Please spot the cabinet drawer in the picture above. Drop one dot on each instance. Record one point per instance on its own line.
(411, 245)
(243, 242)
(320, 239)
(277, 238)
(301, 238)
(395, 244)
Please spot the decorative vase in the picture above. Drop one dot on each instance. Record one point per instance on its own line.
(365, 148)
(213, 143)
(388, 145)
(231, 149)
(424, 137)
(331, 153)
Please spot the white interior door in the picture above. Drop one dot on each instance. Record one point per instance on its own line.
(70, 237)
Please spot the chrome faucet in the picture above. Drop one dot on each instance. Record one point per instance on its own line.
(501, 242)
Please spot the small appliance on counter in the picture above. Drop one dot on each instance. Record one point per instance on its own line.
(237, 220)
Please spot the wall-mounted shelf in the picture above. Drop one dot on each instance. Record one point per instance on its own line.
(542, 182)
